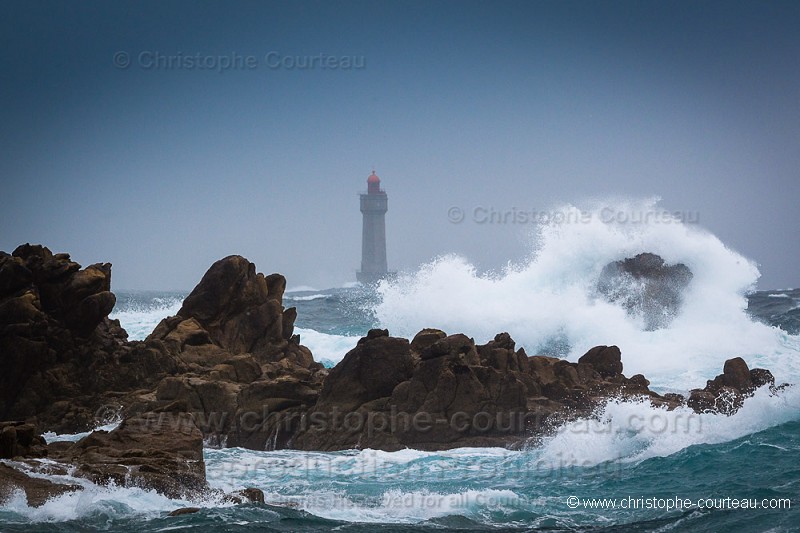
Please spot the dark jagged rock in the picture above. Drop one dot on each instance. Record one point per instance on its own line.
(606, 360)
(230, 356)
(18, 439)
(37, 490)
(425, 338)
(760, 377)
(370, 371)
(155, 451)
(158, 451)
(63, 359)
(646, 286)
(442, 392)
(249, 380)
(241, 310)
(726, 393)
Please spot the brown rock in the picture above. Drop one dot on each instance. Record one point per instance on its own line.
(37, 490)
(701, 401)
(250, 494)
(736, 375)
(233, 303)
(91, 311)
(184, 510)
(499, 353)
(13, 275)
(369, 371)
(159, 451)
(726, 393)
(61, 354)
(760, 377)
(607, 360)
(458, 345)
(18, 439)
(639, 380)
(426, 338)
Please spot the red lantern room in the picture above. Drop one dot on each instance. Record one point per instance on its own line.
(373, 184)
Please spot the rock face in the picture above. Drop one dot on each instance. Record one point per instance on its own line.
(229, 357)
(248, 380)
(646, 286)
(606, 360)
(242, 310)
(439, 392)
(726, 392)
(62, 358)
(159, 451)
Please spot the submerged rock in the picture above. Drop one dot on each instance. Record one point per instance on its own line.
(248, 495)
(646, 286)
(184, 510)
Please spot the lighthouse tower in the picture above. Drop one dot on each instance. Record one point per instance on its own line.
(374, 205)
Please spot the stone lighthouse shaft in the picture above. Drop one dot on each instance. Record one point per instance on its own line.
(374, 205)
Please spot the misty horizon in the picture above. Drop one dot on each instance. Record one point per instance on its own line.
(164, 137)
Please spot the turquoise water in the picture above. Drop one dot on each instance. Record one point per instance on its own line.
(466, 489)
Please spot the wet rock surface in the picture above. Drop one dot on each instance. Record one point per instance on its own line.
(439, 392)
(36, 489)
(726, 393)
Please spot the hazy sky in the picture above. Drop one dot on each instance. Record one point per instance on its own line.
(163, 168)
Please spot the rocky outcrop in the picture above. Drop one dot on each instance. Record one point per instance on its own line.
(158, 451)
(726, 393)
(647, 287)
(18, 439)
(441, 391)
(242, 311)
(230, 356)
(249, 379)
(37, 490)
(62, 358)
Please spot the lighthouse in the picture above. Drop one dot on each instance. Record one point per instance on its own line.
(374, 205)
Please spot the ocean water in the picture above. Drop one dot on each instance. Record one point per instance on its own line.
(632, 468)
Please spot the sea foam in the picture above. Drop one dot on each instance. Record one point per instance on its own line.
(549, 303)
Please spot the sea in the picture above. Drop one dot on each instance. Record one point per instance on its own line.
(631, 467)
